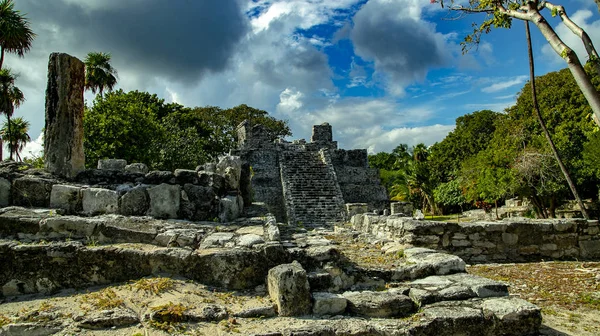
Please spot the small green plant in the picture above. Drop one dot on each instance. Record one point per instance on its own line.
(154, 285)
(91, 241)
(138, 334)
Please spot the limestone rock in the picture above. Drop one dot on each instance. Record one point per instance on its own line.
(109, 318)
(63, 133)
(230, 167)
(4, 192)
(515, 316)
(207, 313)
(134, 202)
(136, 168)
(28, 329)
(183, 176)
(112, 164)
(249, 240)
(288, 288)
(66, 197)
(217, 239)
(266, 311)
(215, 181)
(99, 201)
(328, 303)
(158, 177)
(379, 304)
(32, 191)
(198, 203)
(229, 209)
(164, 200)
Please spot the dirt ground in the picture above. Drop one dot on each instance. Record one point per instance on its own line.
(568, 292)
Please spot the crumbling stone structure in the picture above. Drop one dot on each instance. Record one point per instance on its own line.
(308, 183)
(63, 134)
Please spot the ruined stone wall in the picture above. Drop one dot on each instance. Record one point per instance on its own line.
(502, 241)
(358, 182)
(123, 189)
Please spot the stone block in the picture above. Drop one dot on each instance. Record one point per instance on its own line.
(230, 167)
(63, 132)
(136, 168)
(135, 202)
(218, 239)
(158, 177)
(379, 304)
(510, 238)
(32, 192)
(356, 208)
(514, 316)
(215, 181)
(198, 203)
(328, 303)
(164, 200)
(590, 248)
(99, 201)
(112, 164)
(229, 209)
(563, 226)
(66, 197)
(288, 288)
(404, 208)
(249, 240)
(183, 176)
(4, 192)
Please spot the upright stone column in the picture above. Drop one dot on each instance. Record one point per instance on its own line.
(63, 135)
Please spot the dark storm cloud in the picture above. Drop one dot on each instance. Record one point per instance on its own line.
(179, 39)
(401, 46)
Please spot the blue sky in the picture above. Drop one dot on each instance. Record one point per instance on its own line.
(381, 72)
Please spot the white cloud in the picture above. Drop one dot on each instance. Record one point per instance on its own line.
(505, 84)
(289, 101)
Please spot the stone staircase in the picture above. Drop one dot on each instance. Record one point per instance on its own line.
(310, 189)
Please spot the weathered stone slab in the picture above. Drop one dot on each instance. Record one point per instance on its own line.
(134, 202)
(67, 225)
(63, 132)
(136, 168)
(112, 164)
(198, 203)
(217, 239)
(66, 197)
(4, 192)
(230, 167)
(32, 191)
(29, 329)
(515, 316)
(379, 304)
(109, 318)
(99, 201)
(229, 209)
(590, 248)
(164, 200)
(249, 240)
(328, 303)
(289, 289)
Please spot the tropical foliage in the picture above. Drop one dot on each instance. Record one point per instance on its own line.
(492, 156)
(99, 73)
(16, 136)
(16, 35)
(140, 127)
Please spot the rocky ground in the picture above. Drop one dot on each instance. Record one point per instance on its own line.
(568, 292)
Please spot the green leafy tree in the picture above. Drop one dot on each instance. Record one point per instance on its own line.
(99, 74)
(472, 134)
(140, 127)
(450, 195)
(16, 135)
(16, 35)
(125, 126)
(10, 97)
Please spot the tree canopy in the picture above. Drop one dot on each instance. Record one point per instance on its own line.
(16, 35)
(140, 127)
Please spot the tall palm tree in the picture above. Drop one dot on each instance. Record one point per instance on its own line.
(15, 33)
(10, 97)
(99, 74)
(15, 132)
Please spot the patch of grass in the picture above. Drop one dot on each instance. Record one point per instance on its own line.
(230, 325)
(168, 317)
(4, 320)
(590, 300)
(104, 299)
(154, 285)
